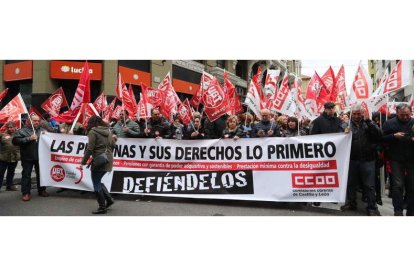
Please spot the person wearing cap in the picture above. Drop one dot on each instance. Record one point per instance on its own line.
(328, 122)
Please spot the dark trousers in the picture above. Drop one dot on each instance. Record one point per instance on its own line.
(378, 182)
(27, 176)
(10, 167)
(361, 173)
(401, 181)
(97, 180)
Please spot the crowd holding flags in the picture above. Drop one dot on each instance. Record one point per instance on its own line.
(278, 94)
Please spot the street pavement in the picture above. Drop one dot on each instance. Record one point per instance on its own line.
(76, 203)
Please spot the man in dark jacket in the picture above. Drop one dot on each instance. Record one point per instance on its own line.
(215, 128)
(398, 135)
(266, 128)
(157, 126)
(365, 136)
(28, 140)
(327, 122)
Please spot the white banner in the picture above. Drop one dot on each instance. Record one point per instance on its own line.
(308, 168)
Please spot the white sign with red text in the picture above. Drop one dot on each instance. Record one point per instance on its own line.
(309, 168)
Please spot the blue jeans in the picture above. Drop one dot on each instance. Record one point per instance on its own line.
(401, 181)
(10, 167)
(96, 180)
(361, 172)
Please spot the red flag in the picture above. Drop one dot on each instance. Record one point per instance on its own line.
(215, 101)
(329, 79)
(34, 111)
(128, 100)
(362, 86)
(185, 112)
(170, 98)
(339, 88)
(108, 111)
(68, 116)
(55, 102)
(152, 96)
(399, 77)
(196, 100)
(283, 101)
(257, 80)
(134, 102)
(117, 112)
(233, 97)
(3, 94)
(317, 95)
(100, 103)
(143, 109)
(272, 78)
(86, 112)
(13, 110)
(83, 91)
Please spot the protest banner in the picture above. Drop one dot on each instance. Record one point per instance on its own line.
(297, 169)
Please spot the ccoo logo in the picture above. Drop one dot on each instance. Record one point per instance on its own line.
(57, 173)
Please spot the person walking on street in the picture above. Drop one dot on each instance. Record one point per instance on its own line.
(28, 140)
(365, 137)
(9, 156)
(101, 144)
(398, 134)
(328, 122)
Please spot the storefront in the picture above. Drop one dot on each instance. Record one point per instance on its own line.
(135, 72)
(67, 75)
(186, 82)
(18, 78)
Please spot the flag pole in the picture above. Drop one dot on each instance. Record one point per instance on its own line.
(245, 119)
(76, 120)
(30, 119)
(386, 110)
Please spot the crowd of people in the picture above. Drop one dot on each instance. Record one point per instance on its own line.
(376, 142)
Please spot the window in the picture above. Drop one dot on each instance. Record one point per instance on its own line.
(241, 69)
(221, 63)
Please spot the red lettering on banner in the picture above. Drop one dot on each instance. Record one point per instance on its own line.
(218, 166)
(315, 180)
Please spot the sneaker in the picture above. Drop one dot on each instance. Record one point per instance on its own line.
(373, 212)
(12, 188)
(348, 207)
